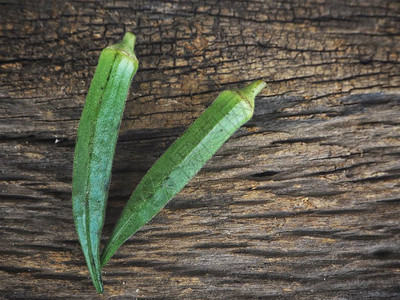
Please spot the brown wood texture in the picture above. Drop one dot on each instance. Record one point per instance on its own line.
(301, 203)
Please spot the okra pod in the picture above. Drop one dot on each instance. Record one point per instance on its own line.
(182, 160)
(95, 146)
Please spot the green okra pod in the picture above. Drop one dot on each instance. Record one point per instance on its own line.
(183, 159)
(95, 146)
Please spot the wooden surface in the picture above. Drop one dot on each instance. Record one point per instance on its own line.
(301, 203)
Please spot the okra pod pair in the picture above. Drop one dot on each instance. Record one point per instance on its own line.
(95, 147)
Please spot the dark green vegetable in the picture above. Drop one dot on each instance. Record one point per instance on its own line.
(173, 170)
(95, 146)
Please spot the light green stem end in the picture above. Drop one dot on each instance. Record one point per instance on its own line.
(250, 92)
(127, 45)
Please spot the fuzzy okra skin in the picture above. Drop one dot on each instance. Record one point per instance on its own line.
(182, 160)
(95, 146)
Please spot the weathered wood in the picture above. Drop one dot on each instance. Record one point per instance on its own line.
(302, 203)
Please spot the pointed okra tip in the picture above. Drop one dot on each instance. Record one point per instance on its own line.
(127, 45)
(95, 273)
(99, 287)
(252, 90)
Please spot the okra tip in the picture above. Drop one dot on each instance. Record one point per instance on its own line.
(99, 287)
(95, 273)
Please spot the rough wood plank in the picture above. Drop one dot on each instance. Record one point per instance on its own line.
(301, 203)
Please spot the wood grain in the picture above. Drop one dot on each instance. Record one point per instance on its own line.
(302, 203)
